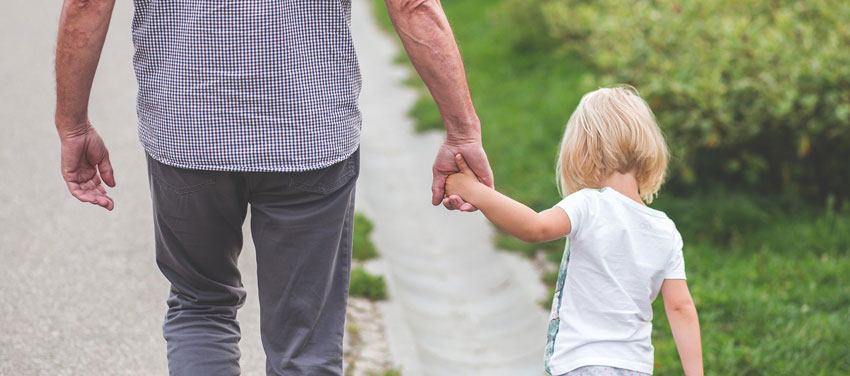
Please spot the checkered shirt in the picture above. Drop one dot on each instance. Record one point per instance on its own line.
(246, 85)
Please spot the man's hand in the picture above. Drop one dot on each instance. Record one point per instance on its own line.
(85, 161)
(445, 165)
(463, 183)
(85, 166)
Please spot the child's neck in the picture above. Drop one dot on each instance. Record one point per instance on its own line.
(625, 184)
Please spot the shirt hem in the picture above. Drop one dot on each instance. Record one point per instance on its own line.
(235, 168)
(560, 369)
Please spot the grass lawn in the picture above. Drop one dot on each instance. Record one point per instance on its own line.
(363, 248)
(771, 276)
(364, 284)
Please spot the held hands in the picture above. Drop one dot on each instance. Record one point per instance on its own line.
(463, 183)
(85, 166)
(445, 165)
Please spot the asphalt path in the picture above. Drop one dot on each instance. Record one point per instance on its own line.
(80, 293)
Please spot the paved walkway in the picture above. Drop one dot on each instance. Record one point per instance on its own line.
(80, 293)
(458, 306)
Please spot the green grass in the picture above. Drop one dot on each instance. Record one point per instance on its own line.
(363, 249)
(362, 283)
(775, 301)
(365, 285)
(391, 372)
(770, 275)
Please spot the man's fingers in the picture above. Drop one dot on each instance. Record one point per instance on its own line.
(487, 178)
(102, 201)
(450, 203)
(96, 196)
(106, 172)
(467, 207)
(456, 201)
(481, 168)
(106, 202)
(92, 183)
(459, 204)
(84, 196)
(438, 188)
(77, 191)
(447, 203)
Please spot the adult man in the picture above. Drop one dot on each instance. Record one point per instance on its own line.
(252, 103)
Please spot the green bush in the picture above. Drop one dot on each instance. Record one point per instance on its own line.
(365, 285)
(752, 94)
(721, 217)
(770, 275)
(363, 248)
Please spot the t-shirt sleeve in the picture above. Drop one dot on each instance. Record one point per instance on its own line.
(676, 264)
(577, 207)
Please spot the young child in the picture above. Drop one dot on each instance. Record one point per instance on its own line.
(620, 252)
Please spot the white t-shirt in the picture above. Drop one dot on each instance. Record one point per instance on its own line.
(619, 252)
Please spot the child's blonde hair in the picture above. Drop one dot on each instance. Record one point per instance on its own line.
(612, 130)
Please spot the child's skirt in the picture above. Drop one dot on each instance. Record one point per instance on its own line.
(603, 371)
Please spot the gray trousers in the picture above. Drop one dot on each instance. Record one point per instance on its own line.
(301, 226)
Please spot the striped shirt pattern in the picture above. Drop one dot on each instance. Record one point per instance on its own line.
(246, 85)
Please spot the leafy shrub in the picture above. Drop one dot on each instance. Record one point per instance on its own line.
(754, 94)
(720, 217)
(363, 248)
(365, 285)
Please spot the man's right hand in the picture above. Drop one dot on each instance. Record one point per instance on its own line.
(86, 166)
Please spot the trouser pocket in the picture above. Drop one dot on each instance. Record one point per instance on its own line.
(328, 179)
(179, 180)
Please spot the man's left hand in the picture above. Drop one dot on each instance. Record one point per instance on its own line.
(445, 165)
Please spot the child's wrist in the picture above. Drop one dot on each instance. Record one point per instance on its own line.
(472, 191)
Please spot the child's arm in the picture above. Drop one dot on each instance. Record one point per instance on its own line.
(684, 322)
(507, 214)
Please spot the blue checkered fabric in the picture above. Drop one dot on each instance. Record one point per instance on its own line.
(246, 85)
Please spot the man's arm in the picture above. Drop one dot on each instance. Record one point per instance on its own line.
(85, 159)
(427, 37)
(684, 322)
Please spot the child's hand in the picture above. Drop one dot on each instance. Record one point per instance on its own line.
(463, 182)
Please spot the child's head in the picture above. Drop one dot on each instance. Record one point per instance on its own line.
(612, 130)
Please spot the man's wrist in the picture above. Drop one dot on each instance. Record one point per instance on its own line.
(463, 131)
(70, 128)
